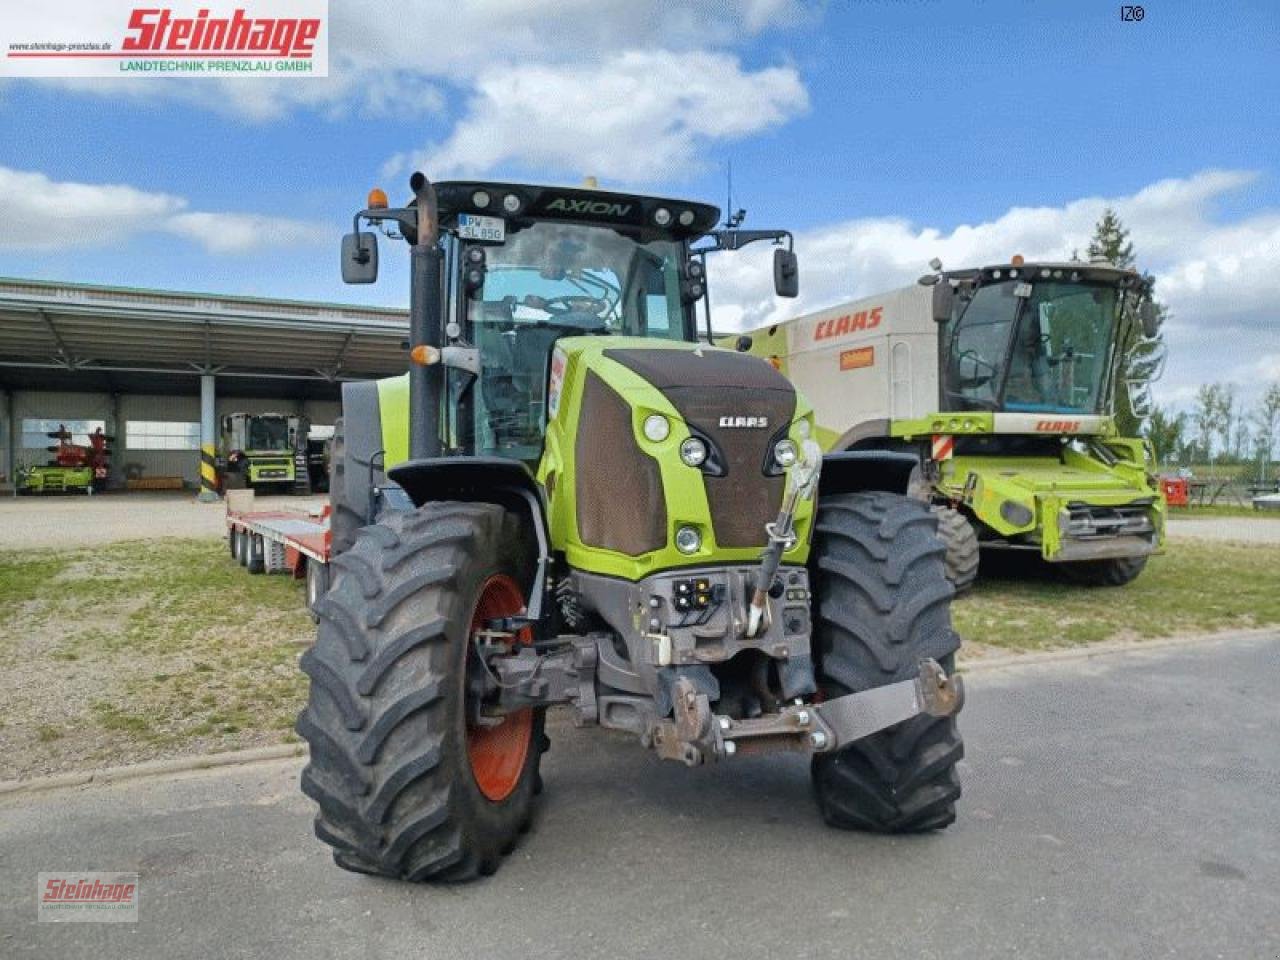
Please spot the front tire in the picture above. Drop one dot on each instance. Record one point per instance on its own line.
(406, 786)
(1116, 572)
(882, 603)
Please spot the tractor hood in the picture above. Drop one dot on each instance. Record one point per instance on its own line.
(626, 405)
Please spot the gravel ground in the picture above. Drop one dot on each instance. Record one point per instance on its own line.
(110, 517)
(1237, 529)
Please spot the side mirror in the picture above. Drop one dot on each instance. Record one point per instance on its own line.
(1149, 317)
(359, 258)
(742, 344)
(786, 273)
(944, 298)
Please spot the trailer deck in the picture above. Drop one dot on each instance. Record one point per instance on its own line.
(280, 541)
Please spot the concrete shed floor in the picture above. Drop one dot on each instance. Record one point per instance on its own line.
(74, 521)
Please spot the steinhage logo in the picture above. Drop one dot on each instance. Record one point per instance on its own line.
(211, 38)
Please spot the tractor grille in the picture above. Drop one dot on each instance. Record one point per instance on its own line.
(716, 387)
(620, 499)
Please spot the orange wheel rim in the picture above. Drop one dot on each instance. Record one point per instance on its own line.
(498, 753)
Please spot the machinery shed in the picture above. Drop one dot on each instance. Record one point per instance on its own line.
(158, 369)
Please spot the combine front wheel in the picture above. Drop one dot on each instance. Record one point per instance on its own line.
(1104, 573)
(961, 540)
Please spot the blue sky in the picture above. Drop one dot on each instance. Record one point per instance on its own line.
(883, 133)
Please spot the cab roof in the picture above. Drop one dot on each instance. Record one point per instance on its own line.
(688, 220)
(1098, 271)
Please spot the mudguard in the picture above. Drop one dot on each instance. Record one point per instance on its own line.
(854, 471)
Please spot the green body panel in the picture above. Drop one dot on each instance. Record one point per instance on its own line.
(55, 479)
(683, 487)
(258, 463)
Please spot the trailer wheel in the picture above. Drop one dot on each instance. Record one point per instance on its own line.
(317, 585)
(881, 604)
(961, 540)
(233, 543)
(242, 546)
(1115, 572)
(406, 784)
(257, 554)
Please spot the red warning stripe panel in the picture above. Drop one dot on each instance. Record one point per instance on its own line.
(944, 447)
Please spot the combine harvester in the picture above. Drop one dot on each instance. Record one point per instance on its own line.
(266, 452)
(1001, 382)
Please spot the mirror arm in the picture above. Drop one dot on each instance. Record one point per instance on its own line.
(737, 239)
(405, 216)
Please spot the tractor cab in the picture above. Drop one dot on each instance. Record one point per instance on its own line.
(1037, 338)
(526, 266)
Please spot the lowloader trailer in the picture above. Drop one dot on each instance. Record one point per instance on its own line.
(280, 541)
(570, 501)
(1000, 382)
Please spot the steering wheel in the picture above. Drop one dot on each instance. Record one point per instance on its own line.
(574, 310)
(978, 379)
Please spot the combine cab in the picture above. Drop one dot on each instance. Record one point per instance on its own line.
(1000, 382)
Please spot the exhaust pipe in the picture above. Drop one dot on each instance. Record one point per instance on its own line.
(426, 324)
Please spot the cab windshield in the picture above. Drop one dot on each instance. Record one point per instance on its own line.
(1032, 347)
(268, 433)
(550, 280)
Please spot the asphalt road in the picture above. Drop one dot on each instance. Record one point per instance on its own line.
(1122, 806)
(1263, 528)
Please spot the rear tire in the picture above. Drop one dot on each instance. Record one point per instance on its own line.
(395, 767)
(1115, 572)
(961, 540)
(882, 603)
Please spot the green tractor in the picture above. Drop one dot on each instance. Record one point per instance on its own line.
(571, 501)
(265, 451)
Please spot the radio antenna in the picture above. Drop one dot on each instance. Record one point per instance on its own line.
(732, 218)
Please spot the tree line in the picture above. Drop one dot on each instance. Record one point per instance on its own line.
(1219, 428)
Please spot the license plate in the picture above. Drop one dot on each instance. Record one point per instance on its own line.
(487, 229)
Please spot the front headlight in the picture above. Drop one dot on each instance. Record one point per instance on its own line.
(693, 452)
(784, 452)
(688, 540)
(656, 427)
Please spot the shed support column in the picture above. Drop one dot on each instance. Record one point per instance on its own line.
(208, 440)
(6, 431)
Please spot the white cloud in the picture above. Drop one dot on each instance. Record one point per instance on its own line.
(38, 214)
(393, 65)
(634, 116)
(244, 232)
(1221, 279)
